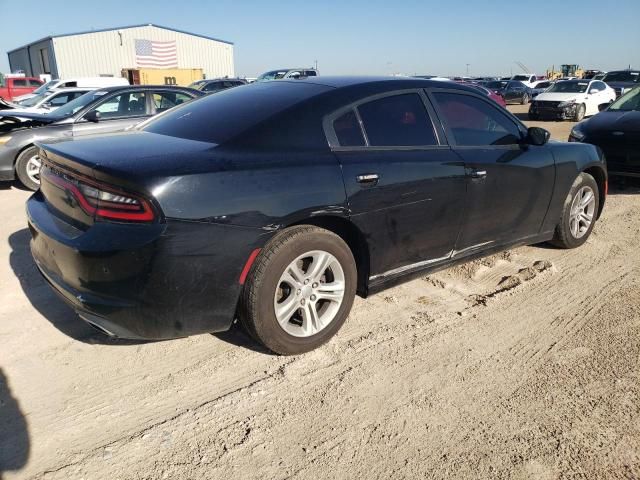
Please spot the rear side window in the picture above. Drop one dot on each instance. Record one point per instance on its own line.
(19, 83)
(348, 130)
(397, 121)
(474, 122)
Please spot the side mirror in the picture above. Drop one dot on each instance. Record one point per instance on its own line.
(92, 116)
(46, 105)
(537, 136)
(603, 106)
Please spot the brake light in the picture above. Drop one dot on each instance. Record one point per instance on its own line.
(99, 200)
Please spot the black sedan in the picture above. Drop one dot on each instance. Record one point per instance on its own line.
(217, 84)
(512, 91)
(617, 131)
(107, 110)
(277, 202)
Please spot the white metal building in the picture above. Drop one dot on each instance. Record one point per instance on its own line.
(107, 52)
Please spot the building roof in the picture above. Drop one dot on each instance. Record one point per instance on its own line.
(50, 37)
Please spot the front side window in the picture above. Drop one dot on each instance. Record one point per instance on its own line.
(348, 130)
(474, 122)
(130, 104)
(397, 121)
(34, 83)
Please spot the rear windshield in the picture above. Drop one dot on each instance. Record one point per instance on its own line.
(622, 77)
(221, 117)
(496, 85)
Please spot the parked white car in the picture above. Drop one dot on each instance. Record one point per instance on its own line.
(79, 82)
(49, 101)
(529, 79)
(571, 100)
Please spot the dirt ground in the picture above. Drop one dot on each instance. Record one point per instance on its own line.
(521, 365)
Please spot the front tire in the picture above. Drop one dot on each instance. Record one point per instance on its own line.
(525, 99)
(578, 213)
(580, 112)
(28, 168)
(299, 291)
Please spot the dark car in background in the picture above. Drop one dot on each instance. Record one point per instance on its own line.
(277, 202)
(105, 110)
(622, 80)
(489, 93)
(616, 130)
(217, 84)
(512, 91)
(541, 87)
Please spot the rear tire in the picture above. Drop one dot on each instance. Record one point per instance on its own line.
(578, 213)
(28, 168)
(289, 307)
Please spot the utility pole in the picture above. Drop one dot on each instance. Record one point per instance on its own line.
(468, 69)
(315, 62)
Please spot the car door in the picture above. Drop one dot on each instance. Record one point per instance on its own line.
(118, 111)
(509, 184)
(405, 187)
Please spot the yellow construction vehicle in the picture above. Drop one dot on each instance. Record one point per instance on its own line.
(565, 71)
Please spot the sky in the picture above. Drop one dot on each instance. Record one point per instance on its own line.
(368, 37)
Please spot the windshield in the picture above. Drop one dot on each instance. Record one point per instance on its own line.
(78, 104)
(622, 77)
(568, 86)
(496, 85)
(30, 102)
(522, 78)
(43, 88)
(543, 85)
(273, 75)
(628, 102)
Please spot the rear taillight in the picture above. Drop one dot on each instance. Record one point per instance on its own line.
(99, 200)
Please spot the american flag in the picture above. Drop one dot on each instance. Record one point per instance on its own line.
(151, 53)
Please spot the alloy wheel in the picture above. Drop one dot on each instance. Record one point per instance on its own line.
(33, 169)
(309, 293)
(583, 209)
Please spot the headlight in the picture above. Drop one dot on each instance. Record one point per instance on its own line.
(577, 133)
(566, 104)
(4, 140)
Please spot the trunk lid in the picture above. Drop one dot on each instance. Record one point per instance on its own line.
(128, 164)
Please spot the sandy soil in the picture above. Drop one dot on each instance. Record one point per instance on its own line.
(521, 365)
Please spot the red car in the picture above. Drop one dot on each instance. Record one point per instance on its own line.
(489, 93)
(15, 86)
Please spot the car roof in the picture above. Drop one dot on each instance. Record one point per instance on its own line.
(401, 82)
(116, 88)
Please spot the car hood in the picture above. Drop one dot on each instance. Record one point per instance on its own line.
(614, 121)
(24, 97)
(38, 117)
(559, 97)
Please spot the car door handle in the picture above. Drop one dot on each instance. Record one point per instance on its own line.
(478, 173)
(368, 178)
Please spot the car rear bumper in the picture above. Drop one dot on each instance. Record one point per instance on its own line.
(143, 281)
